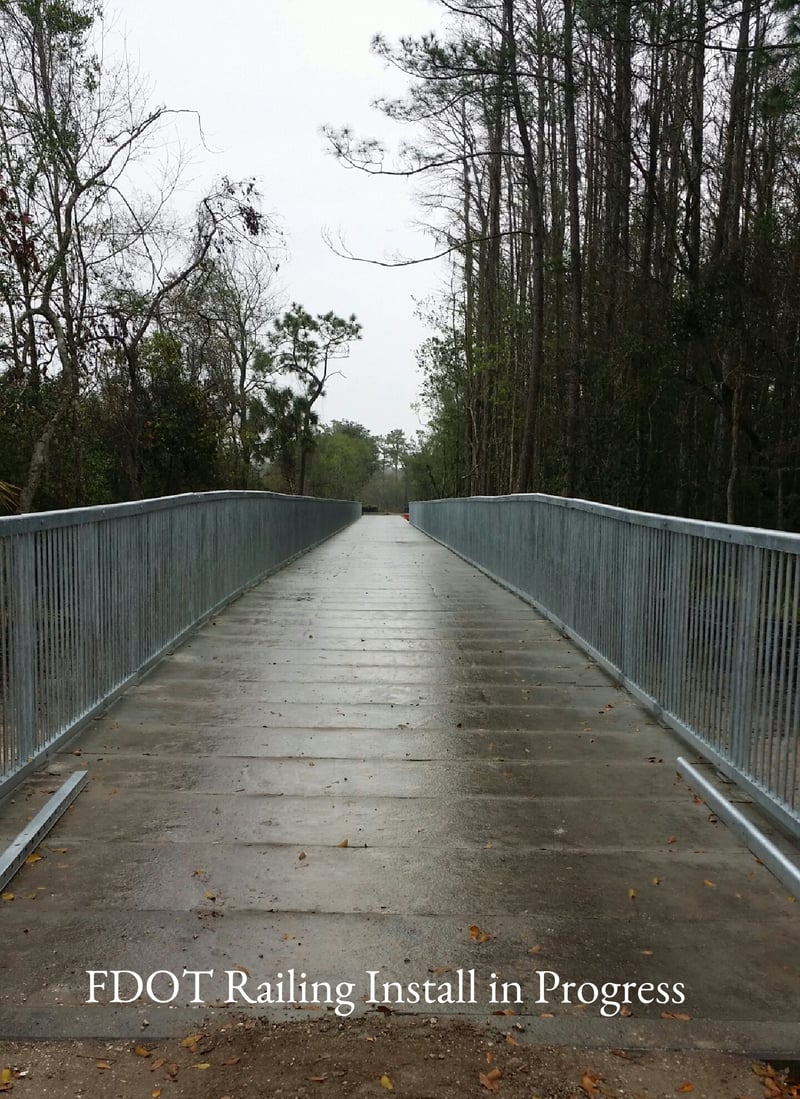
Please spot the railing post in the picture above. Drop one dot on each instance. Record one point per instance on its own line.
(22, 656)
(745, 623)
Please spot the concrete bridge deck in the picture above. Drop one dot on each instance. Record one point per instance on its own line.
(483, 773)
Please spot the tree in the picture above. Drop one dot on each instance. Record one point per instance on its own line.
(81, 260)
(306, 346)
(345, 457)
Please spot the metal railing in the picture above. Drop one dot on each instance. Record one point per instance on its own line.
(91, 597)
(701, 621)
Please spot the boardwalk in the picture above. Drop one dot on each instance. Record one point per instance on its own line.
(364, 758)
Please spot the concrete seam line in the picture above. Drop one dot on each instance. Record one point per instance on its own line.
(763, 848)
(15, 854)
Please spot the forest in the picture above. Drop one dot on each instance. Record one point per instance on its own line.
(616, 185)
(145, 351)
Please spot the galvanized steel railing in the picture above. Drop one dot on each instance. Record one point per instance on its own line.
(91, 597)
(701, 621)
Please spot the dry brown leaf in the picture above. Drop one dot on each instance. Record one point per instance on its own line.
(155, 1093)
(547, 1015)
(6, 896)
(439, 969)
(478, 935)
(709, 884)
(344, 843)
(191, 1040)
(317, 1079)
(301, 856)
(102, 1065)
(491, 1080)
(6, 1087)
(672, 839)
(534, 950)
(172, 1070)
(489, 1057)
(590, 1084)
(511, 1041)
(234, 1060)
(505, 1011)
(156, 1065)
(687, 1086)
(141, 1051)
(32, 858)
(287, 938)
(676, 1015)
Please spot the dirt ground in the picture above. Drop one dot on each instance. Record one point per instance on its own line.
(413, 1058)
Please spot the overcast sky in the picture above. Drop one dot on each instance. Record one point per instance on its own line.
(265, 77)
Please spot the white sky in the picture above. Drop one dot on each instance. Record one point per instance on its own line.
(265, 77)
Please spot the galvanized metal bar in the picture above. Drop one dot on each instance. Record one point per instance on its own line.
(762, 847)
(32, 835)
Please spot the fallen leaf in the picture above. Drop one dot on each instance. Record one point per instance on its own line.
(317, 1079)
(709, 884)
(632, 894)
(439, 969)
(172, 1070)
(589, 1084)
(232, 1060)
(344, 843)
(384, 1010)
(505, 1011)
(7, 896)
(210, 896)
(102, 1065)
(301, 856)
(191, 1040)
(511, 1041)
(479, 936)
(155, 1093)
(647, 953)
(387, 1083)
(625, 1011)
(490, 1080)
(156, 1065)
(60, 850)
(202, 1065)
(657, 881)
(287, 938)
(687, 1086)
(32, 858)
(141, 1051)
(676, 1015)
(672, 839)
(6, 1076)
(534, 950)
(547, 1015)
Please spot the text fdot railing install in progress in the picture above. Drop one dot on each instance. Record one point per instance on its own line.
(701, 621)
(90, 597)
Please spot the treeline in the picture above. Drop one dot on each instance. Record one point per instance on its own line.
(142, 352)
(620, 185)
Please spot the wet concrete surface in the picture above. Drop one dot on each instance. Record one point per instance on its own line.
(379, 760)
